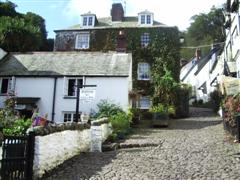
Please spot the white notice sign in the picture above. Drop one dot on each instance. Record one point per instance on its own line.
(96, 139)
(87, 95)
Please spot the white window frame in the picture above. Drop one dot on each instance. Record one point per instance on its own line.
(10, 86)
(148, 19)
(145, 39)
(143, 71)
(72, 116)
(145, 102)
(82, 40)
(143, 19)
(86, 21)
(66, 86)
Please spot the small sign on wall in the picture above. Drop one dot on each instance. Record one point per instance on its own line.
(96, 139)
(231, 85)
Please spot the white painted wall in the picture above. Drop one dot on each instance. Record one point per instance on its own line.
(109, 88)
(37, 87)
(203, 76)
(114, 89)
(53, 149)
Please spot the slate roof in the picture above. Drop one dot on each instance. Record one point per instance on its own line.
(106, 23)
(66, 64)
(200, 63)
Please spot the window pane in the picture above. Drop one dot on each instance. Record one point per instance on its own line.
(148, 19)
(145, 39)
(143, 71)
(142, 19)
(4, 87)
(67, 117)
(71, 87)
(90, 21)
(74, 117)
(84, 21)
(82, 41)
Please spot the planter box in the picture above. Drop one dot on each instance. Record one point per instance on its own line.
(160, 119)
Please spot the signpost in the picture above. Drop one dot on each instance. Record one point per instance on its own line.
(87, 95)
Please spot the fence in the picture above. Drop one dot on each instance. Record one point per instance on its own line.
(17, 157)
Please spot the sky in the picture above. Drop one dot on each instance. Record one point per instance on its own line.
(60, 14)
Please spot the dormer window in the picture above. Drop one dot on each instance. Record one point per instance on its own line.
(142, 19)
(148, 19)
(88, 20)
(85, 21)
(145, 18)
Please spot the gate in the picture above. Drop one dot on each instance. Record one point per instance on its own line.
(17, 157)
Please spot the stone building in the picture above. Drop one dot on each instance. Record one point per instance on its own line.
(136, 34)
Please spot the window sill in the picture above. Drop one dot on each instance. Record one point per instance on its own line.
(69, 97)
(4, 94)
(143, 79)
(81, 48)
(144, 108)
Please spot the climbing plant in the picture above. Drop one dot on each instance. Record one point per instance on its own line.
(162, 52)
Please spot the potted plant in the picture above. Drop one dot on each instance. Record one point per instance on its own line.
(161, 114)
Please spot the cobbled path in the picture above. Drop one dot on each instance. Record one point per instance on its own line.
(191, 148)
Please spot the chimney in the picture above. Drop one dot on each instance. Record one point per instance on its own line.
(198, 54)
(117, 12)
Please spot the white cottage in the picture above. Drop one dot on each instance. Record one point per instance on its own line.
(48, 79)
(201, 74)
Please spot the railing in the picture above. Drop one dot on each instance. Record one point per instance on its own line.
(17, 157)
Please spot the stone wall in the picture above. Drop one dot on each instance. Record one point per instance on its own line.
(53, 149)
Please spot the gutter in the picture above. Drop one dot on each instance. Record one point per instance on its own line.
(54, 98)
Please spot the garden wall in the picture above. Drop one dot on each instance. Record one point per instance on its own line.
(53, 149)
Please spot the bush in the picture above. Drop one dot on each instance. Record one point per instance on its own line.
(18, 128)
(231, 106)
(119, 119)
(120, 122)
(7, 116)
(216, 99)
(107, 109)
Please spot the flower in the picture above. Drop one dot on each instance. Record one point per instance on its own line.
(231, 107)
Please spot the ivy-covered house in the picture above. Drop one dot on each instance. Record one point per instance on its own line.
(154, 45)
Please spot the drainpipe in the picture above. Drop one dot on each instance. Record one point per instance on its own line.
(54, 97)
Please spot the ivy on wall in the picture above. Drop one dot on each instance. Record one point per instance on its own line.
(163, 50)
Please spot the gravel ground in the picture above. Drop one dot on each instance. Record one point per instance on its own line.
(191, 148)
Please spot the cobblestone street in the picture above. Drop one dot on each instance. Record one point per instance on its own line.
(191, 148)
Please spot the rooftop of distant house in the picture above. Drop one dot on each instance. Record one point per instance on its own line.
(116, 20)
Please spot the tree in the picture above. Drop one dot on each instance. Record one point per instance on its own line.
(204, 29)
(8, 9)
(22, 32)
(17, 35)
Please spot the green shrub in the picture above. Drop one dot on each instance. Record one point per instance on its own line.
(119, 119)
(7, 116)
(18, 128)
(107, 109)
(216, 99)
(120, 122)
